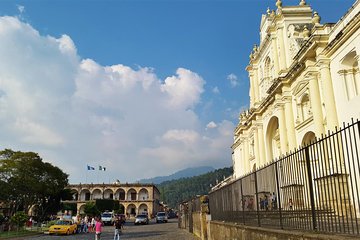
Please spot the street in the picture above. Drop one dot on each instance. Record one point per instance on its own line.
(152, 231)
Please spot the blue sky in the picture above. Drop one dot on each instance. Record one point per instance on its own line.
(144, 88)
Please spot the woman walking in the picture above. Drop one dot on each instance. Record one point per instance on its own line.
(98, 228)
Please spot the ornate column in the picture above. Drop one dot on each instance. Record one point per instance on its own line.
(290, 126)
(329, 99)
(275, 55)
(282, 129)
(282, 48)
(261, 144)
(315, 102)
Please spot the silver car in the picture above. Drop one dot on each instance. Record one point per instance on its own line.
(141, 219)
(161, 217)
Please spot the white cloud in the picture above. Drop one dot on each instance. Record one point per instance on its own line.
(36, 134)
(211, 125)
(233, 80)
(184, 90)
(21, 9)
(74, 111)
(216, 90)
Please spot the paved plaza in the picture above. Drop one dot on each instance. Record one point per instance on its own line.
(152, 231)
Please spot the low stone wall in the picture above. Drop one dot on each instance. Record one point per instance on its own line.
(228, 231)
(196, 224)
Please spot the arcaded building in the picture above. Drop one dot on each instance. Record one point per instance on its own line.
(134, 198)
(304, 81)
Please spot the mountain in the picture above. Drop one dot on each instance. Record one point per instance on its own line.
(188, 172)
(176, 191)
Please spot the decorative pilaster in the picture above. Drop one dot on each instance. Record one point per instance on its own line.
(252, 90)
(256, 86)
(329, 99)
(246, 159)
(315, 102)
(290, 125)
(256, 146)
(282, 48)
(275, 55)
(261, 145)
(282, 130)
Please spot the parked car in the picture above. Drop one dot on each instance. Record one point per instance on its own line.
(107, 218)
(161, 217)
(63, 227)
(141, 219)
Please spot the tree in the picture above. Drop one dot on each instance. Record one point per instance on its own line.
(29, 181)
(176, 191)
(19, 219)
(91, 209)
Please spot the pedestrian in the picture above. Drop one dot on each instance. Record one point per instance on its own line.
(93, 224)
(274, 203)
(290, 204)
(117, 224)
(266, 202)
(86, 224)
(98, 226)
(262, 204)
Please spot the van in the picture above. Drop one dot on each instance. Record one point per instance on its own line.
(107, 218)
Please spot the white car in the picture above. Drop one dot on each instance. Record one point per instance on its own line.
(107, 218)
(141, 219)
(161, 217)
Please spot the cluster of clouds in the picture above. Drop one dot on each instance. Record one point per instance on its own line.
(74, 111)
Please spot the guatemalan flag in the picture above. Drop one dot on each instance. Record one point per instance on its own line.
(90, 167)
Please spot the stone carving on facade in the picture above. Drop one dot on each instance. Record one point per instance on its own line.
(316, 19)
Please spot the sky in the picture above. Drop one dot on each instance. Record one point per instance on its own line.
(143, 88)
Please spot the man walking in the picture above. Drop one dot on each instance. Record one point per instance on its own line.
(117, 225)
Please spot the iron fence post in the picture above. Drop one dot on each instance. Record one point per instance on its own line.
(257, 199)
(278, 193)
(242, 201)
(311, 188)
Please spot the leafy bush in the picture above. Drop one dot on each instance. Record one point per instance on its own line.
(2, 218)
(19, 219)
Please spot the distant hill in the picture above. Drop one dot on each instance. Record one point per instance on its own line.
(188, 172)
(176, 191)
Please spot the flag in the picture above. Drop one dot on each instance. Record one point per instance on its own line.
(90, 168)
(101, 168)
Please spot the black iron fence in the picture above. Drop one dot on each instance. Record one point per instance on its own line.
(314, 188)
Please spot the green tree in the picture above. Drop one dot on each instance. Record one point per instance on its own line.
(28, 181)
(91, 209)
(19, 219)
(176, 191)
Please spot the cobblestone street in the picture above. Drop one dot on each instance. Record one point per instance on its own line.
(152, 231)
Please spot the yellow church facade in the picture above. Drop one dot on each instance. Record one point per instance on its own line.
(304, 81)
